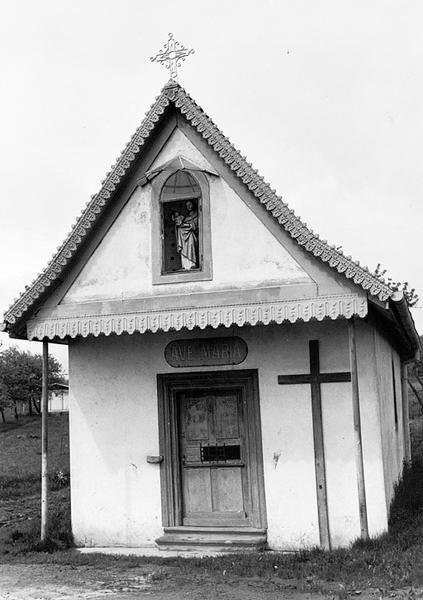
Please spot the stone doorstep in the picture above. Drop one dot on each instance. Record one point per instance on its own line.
(153, 551)
(220, 539)
(193, 542)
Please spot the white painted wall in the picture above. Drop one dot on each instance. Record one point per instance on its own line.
(244, 253)
(392, 435)
(371, 429)
(113, 427)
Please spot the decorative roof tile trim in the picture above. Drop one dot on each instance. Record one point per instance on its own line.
(274, 204)
(89, 214)
(172, 92)
(331, 307)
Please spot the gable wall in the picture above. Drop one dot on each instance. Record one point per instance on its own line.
(245, 253)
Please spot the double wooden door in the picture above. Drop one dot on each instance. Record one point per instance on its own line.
(213, 458)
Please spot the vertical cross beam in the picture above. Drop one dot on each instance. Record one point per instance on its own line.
(319, 448)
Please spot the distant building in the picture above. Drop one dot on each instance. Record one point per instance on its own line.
(58, 398)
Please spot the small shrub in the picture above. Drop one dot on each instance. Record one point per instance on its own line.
(16, 535)
(407, 502)
(59, 479)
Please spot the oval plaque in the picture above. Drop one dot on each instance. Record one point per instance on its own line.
(206, 352)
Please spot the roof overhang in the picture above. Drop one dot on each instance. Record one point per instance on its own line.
(403, 316)
(394, 321)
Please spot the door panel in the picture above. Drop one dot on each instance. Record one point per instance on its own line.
(226, 418)
(227, 491)
(196, 419)
(213, 454)
(197, 490)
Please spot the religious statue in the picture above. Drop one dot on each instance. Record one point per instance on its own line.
(186, 231)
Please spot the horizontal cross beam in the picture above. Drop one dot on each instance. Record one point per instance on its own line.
(319, 378)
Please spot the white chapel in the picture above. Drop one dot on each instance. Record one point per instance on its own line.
(234, 381)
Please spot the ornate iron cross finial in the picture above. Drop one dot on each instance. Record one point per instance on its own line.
(172, 55)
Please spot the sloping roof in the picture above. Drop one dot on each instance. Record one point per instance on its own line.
(173, 93)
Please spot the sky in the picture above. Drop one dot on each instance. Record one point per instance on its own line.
(323, 97)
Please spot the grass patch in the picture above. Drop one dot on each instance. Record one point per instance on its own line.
(27, 538)
(20, 446)
(30, 485)
(18, 487)
(22, 533)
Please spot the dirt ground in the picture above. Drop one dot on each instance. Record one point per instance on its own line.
(64, 582)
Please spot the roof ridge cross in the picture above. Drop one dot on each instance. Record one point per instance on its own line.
(172, 55)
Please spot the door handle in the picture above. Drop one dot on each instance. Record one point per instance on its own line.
(155, 460)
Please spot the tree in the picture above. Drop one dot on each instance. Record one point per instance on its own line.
(410, 295)
(5, 400)
(21, 377)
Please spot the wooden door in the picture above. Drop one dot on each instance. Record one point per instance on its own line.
(213, 458)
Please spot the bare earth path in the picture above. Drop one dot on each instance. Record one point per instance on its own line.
(54, 582)
(65, 582)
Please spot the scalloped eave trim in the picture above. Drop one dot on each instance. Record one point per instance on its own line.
(328, 307)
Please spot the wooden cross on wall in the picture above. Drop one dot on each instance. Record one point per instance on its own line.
(315, 379)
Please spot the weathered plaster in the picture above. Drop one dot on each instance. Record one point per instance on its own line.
(116, 494)
(340, 461)
(370, 429)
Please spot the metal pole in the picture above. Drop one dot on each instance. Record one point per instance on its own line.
(358, 443)
(44, 444)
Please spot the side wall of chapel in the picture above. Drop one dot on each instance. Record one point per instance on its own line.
(391, 414)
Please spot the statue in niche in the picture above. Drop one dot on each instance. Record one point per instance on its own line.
(186, 231)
